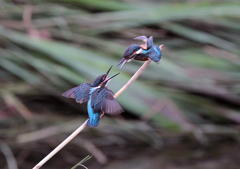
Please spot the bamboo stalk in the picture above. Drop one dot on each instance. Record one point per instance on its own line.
(84, 125)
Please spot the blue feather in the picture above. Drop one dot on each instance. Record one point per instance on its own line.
(155, 54)
(94, 117)
(145, 51)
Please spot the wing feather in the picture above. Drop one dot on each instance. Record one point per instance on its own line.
(79, 93)
(111, 106)
(103, 101)
(130, 51)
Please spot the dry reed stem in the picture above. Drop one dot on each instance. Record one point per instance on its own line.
(61, 145)
(133, 78)
(80, 128)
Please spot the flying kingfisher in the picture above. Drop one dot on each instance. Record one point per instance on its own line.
(99, 98)
(142, 52)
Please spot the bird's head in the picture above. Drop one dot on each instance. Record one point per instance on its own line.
(148, 42)
(102, 80)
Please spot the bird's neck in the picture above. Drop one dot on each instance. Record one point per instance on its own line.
(93, 89)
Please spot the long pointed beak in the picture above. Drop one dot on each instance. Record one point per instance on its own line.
(109, 70)
(112, 76)
(105, 81)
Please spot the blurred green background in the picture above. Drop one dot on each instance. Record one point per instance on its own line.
(182, 113)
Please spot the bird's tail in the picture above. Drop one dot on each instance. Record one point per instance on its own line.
(121, 63)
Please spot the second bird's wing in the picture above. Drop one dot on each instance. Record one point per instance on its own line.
(130, 51)
(79, 93)
(103, 101)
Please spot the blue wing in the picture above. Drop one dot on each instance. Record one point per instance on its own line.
(79, 93)
(103, 101)
(130, 51)
(129, 54)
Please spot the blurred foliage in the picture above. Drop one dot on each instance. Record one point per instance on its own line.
(53, 46)
(47, 47)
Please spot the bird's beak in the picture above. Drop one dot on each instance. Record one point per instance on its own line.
(109, 70)
(112, 77)
(107, 80)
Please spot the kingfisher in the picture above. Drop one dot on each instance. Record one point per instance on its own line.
(142, 52)
(99, 98)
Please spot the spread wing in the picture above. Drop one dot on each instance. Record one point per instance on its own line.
(79, 93)
(103, 101)
(130, 51)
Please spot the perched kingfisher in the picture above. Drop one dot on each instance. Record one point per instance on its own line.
(99, 98)
(142, 52)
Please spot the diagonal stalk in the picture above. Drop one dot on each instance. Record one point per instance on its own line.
(133, 78)
(84, 125)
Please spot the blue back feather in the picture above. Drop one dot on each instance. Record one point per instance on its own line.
(155, 54)
(146, 51)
